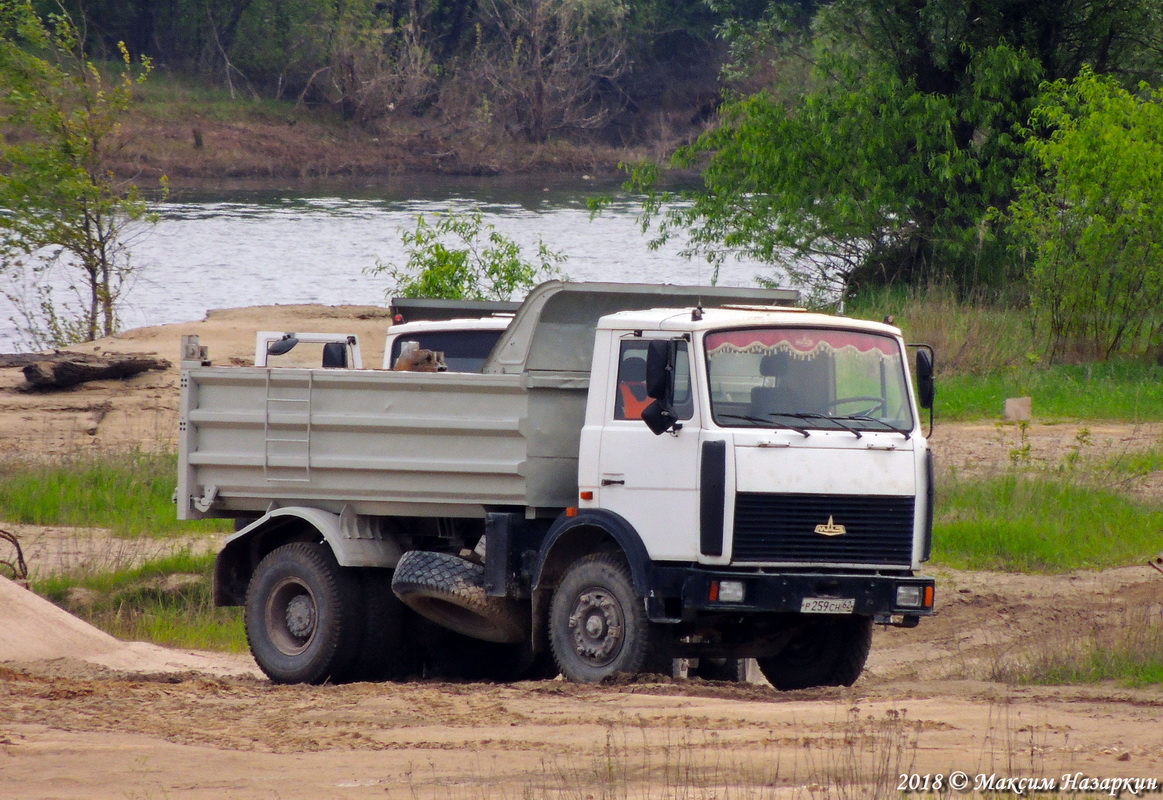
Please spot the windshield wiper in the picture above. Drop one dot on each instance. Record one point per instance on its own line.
(848, 428)
(887, 427)
(765, 422)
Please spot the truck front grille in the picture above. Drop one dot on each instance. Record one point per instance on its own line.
(784, 528)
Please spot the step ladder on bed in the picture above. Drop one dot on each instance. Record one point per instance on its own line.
(287, 439)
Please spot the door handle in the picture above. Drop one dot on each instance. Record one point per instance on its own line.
(613, 482)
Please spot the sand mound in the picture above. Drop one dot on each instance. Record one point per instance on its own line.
(33, 629)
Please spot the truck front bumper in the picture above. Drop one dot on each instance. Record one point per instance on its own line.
(680, 594)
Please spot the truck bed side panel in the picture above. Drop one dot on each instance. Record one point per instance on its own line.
(381, 443)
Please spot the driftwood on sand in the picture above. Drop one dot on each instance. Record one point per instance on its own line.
(62, 370)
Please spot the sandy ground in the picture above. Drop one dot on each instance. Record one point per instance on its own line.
(116, 721)
(143, 410)
(85, 716)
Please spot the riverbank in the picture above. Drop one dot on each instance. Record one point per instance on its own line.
(201, 138)
(276, 153)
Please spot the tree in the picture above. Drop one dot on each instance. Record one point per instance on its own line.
(890, 162)
(462, 258)
(1092, 219)
(551, 60)
(863, 179)
(383, 62)
(62, 206)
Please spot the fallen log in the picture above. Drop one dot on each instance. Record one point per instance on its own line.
(70, 369)
(8, 360)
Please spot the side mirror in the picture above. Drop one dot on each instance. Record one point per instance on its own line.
(335, 355)
(282, 346)
(659, 368)
(660, 356)
(926, 386)
(657, 418)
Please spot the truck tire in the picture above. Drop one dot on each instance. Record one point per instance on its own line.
(302, 615)
(450, 591)
(385, 652)
(598, 625)
(828, 652)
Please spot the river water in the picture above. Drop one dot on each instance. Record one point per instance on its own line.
(238, 249)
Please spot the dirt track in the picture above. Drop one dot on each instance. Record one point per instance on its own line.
(71, 728)
(144, 723)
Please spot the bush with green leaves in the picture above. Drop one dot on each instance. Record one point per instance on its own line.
(1092, 222)
(461, 257)
(864, 180)
(60, 115)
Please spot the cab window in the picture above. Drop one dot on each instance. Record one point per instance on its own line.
(464, 351)
(630, 392)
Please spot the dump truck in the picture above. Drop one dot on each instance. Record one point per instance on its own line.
(638, 475)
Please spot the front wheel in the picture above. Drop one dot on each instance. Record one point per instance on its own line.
(825, 652)
(598, 625)
(302, 615)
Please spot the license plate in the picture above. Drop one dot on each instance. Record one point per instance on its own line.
(827, 605)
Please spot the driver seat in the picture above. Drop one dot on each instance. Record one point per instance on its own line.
(766, 400)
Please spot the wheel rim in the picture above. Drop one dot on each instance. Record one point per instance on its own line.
(598, 627)
(292, 616)
(802, 651)
(806, 648)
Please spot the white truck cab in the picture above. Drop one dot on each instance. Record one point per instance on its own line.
(799, 422)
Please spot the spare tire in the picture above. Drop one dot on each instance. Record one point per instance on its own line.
(450, 591)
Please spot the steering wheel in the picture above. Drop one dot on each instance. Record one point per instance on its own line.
(880, 403)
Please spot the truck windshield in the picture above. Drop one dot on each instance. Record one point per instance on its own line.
(803, 378)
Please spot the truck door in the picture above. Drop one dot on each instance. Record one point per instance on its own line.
(651, 481)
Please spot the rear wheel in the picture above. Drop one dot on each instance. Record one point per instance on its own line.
(385, 651)
(302, 615)
(598, 625)
(826, 652)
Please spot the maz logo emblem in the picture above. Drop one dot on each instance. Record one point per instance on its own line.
(831, 529)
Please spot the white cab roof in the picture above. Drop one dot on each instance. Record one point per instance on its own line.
(683, 320)
(498, 323)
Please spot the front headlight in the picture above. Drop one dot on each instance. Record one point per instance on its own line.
(910, 596)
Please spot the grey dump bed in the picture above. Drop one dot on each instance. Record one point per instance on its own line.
(407, 443)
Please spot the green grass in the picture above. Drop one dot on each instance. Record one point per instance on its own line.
(1134, 465)
(1126, 647)
(1040, 523)
(168, 601)
(130, 493)
(969, 337)
(1128, 664)
(987, 352)
(1125, 391)
(165, 96)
